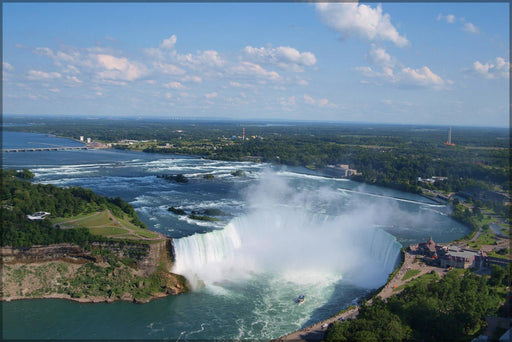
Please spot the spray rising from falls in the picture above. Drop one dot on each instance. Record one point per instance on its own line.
(292, 239)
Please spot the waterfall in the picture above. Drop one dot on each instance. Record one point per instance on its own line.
(283, 243)
(384, 249)
(202, 251)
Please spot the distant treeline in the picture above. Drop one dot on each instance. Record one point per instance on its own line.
(21, 198)
(389, 155)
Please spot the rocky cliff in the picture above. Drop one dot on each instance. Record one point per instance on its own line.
(96, 273)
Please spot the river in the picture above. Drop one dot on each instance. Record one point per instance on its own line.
(287, 231)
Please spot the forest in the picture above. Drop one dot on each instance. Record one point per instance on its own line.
(390, 155)
(451, 309)
(21, 198)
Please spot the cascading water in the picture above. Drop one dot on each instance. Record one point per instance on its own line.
(202, 252)
(293, 244)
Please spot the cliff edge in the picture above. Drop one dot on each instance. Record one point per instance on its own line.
(100, 272)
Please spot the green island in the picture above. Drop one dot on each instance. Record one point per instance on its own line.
(425, 298)
(90, 248)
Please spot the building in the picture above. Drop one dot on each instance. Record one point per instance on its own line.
(40, 215)
(341, 170)
(81, 138)
(461, 258)
(451, 256)
(89, 140)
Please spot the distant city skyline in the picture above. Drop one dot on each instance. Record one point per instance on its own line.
(397, 63)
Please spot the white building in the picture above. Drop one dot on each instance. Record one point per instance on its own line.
(81, 138)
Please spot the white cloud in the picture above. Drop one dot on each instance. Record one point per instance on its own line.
(70, 69)
(240, 85)
(287, 101)
(211, 95)
(74, 79)
(41, 75)
(379, 56)
(174, 85)
(420, 77)
(170, 69)
(391, 72)
(353, 19)
(116, 68)
(500, 68)
(195, 79)
(208, 58)
(449, 18)
(469, 27)
(54, 90)
(320, 102)
(251, 69)
(282, 56)
(7, 66)
(168, 43)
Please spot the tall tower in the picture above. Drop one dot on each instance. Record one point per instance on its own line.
(243, 133)
(449, 141)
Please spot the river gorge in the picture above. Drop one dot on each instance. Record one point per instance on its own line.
(285, 232)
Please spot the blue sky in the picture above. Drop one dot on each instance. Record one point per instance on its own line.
(433, 63)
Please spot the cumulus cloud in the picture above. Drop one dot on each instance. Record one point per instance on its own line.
(500, 68)
(241, 85)
(390, 71)
(168, 43)
(74, 79)
(195, 79)
(287, 101)
(420, 77)
(7, 66)
(317, 102)
(283, 56)
(208, 58)
(449, 18)
(170, 69)
(59, 57)
(41, 75)
(174, 85)
(469, 27)
(251, 69)
(211, 95)
(116, 68)
(353, 19)
(379, 56)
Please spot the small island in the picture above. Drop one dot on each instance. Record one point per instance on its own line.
(88, 249)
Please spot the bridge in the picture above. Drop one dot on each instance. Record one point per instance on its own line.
(37, 149)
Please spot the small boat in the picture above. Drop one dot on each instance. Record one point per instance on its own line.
(300, 299)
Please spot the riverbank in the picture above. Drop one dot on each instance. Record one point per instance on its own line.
(105, 273)
(394, 286)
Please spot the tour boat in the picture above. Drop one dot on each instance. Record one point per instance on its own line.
(300, 299)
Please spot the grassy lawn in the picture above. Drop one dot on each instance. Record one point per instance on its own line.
(139, 231)
(102, 224)
(424, 279)
(106, 231)
(58, 220)
(410, 273)
(486, 238)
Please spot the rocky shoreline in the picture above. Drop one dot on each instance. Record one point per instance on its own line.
(104, 273)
